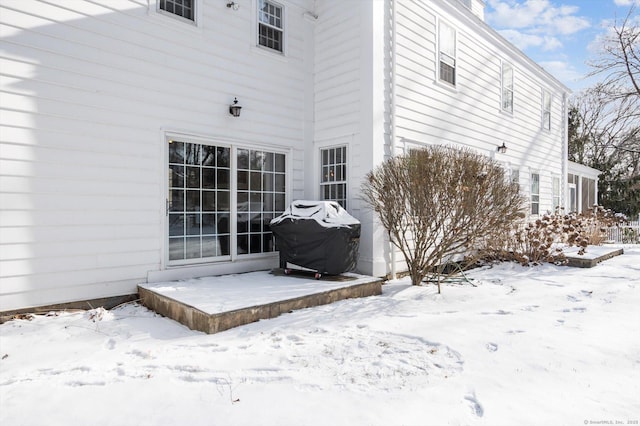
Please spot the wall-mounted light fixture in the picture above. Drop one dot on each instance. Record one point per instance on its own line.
(234, 108)
(233, 5)
(502, 148)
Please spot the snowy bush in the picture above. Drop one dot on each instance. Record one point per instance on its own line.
(439, 202)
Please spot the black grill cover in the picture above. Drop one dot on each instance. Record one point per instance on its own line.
(318, 235)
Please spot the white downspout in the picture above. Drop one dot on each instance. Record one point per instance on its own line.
(392, 115)
(565, 154)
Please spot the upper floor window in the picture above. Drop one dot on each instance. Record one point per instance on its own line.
(183, 8)
(447, 53)
(507, 87)
(270, 25)
(546, 110)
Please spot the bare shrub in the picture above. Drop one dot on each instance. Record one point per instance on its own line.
(543, 240)
(439, 202)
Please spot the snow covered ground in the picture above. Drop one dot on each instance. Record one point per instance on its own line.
(525, 346)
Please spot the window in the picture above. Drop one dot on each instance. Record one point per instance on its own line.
(270, 25)
(183, 8)
(588, 189)
(572, 180)
(556, 194)
(203, 224)
(507, 87)
(261, 197)
(535, 193)
(199, 189)
(333, 181)
(546, 110)
(447, 49)
(515, 177)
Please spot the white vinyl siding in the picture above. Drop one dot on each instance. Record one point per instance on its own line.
(83, 199)
(472, 116)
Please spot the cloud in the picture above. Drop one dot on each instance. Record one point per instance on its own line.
(523, 40)
(537, 17)
(563, 71)
(626, 2)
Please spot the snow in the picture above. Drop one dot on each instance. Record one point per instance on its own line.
(327, 213)
(591, 252)
(526, 346)
(230, 292)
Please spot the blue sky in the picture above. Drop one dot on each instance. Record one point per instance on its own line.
(560, 35)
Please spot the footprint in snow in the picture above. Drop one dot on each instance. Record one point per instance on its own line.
(474, 404)
(492, 347)
(296, 339)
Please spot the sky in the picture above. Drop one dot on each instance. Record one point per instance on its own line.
(560, 35)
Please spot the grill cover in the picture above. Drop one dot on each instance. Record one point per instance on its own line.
(317, 235)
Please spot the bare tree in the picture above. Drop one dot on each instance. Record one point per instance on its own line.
(604, 120)
(439, 202)
(619, 61)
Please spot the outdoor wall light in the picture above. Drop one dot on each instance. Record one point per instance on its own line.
(233, 5)
(502, 148)
(234, 108)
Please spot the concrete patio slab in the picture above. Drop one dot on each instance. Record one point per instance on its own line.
(592, 256)
(214, 304)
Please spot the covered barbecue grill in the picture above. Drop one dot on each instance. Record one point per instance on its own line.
(317, 236)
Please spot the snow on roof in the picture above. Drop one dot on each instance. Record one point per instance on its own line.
(327, 213)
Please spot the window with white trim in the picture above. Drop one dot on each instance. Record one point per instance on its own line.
(507, 87)
(333, 179)
(556, 194)
(182, 8)
(535, 193)
(447, 53)
(203, 224)
(546, 110)
(261, 197)
(270, 25)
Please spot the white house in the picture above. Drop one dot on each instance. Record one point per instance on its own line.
(120, 162)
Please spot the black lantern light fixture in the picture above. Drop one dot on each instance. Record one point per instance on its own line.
(233, 5)
(234, 108)
(502, 148)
